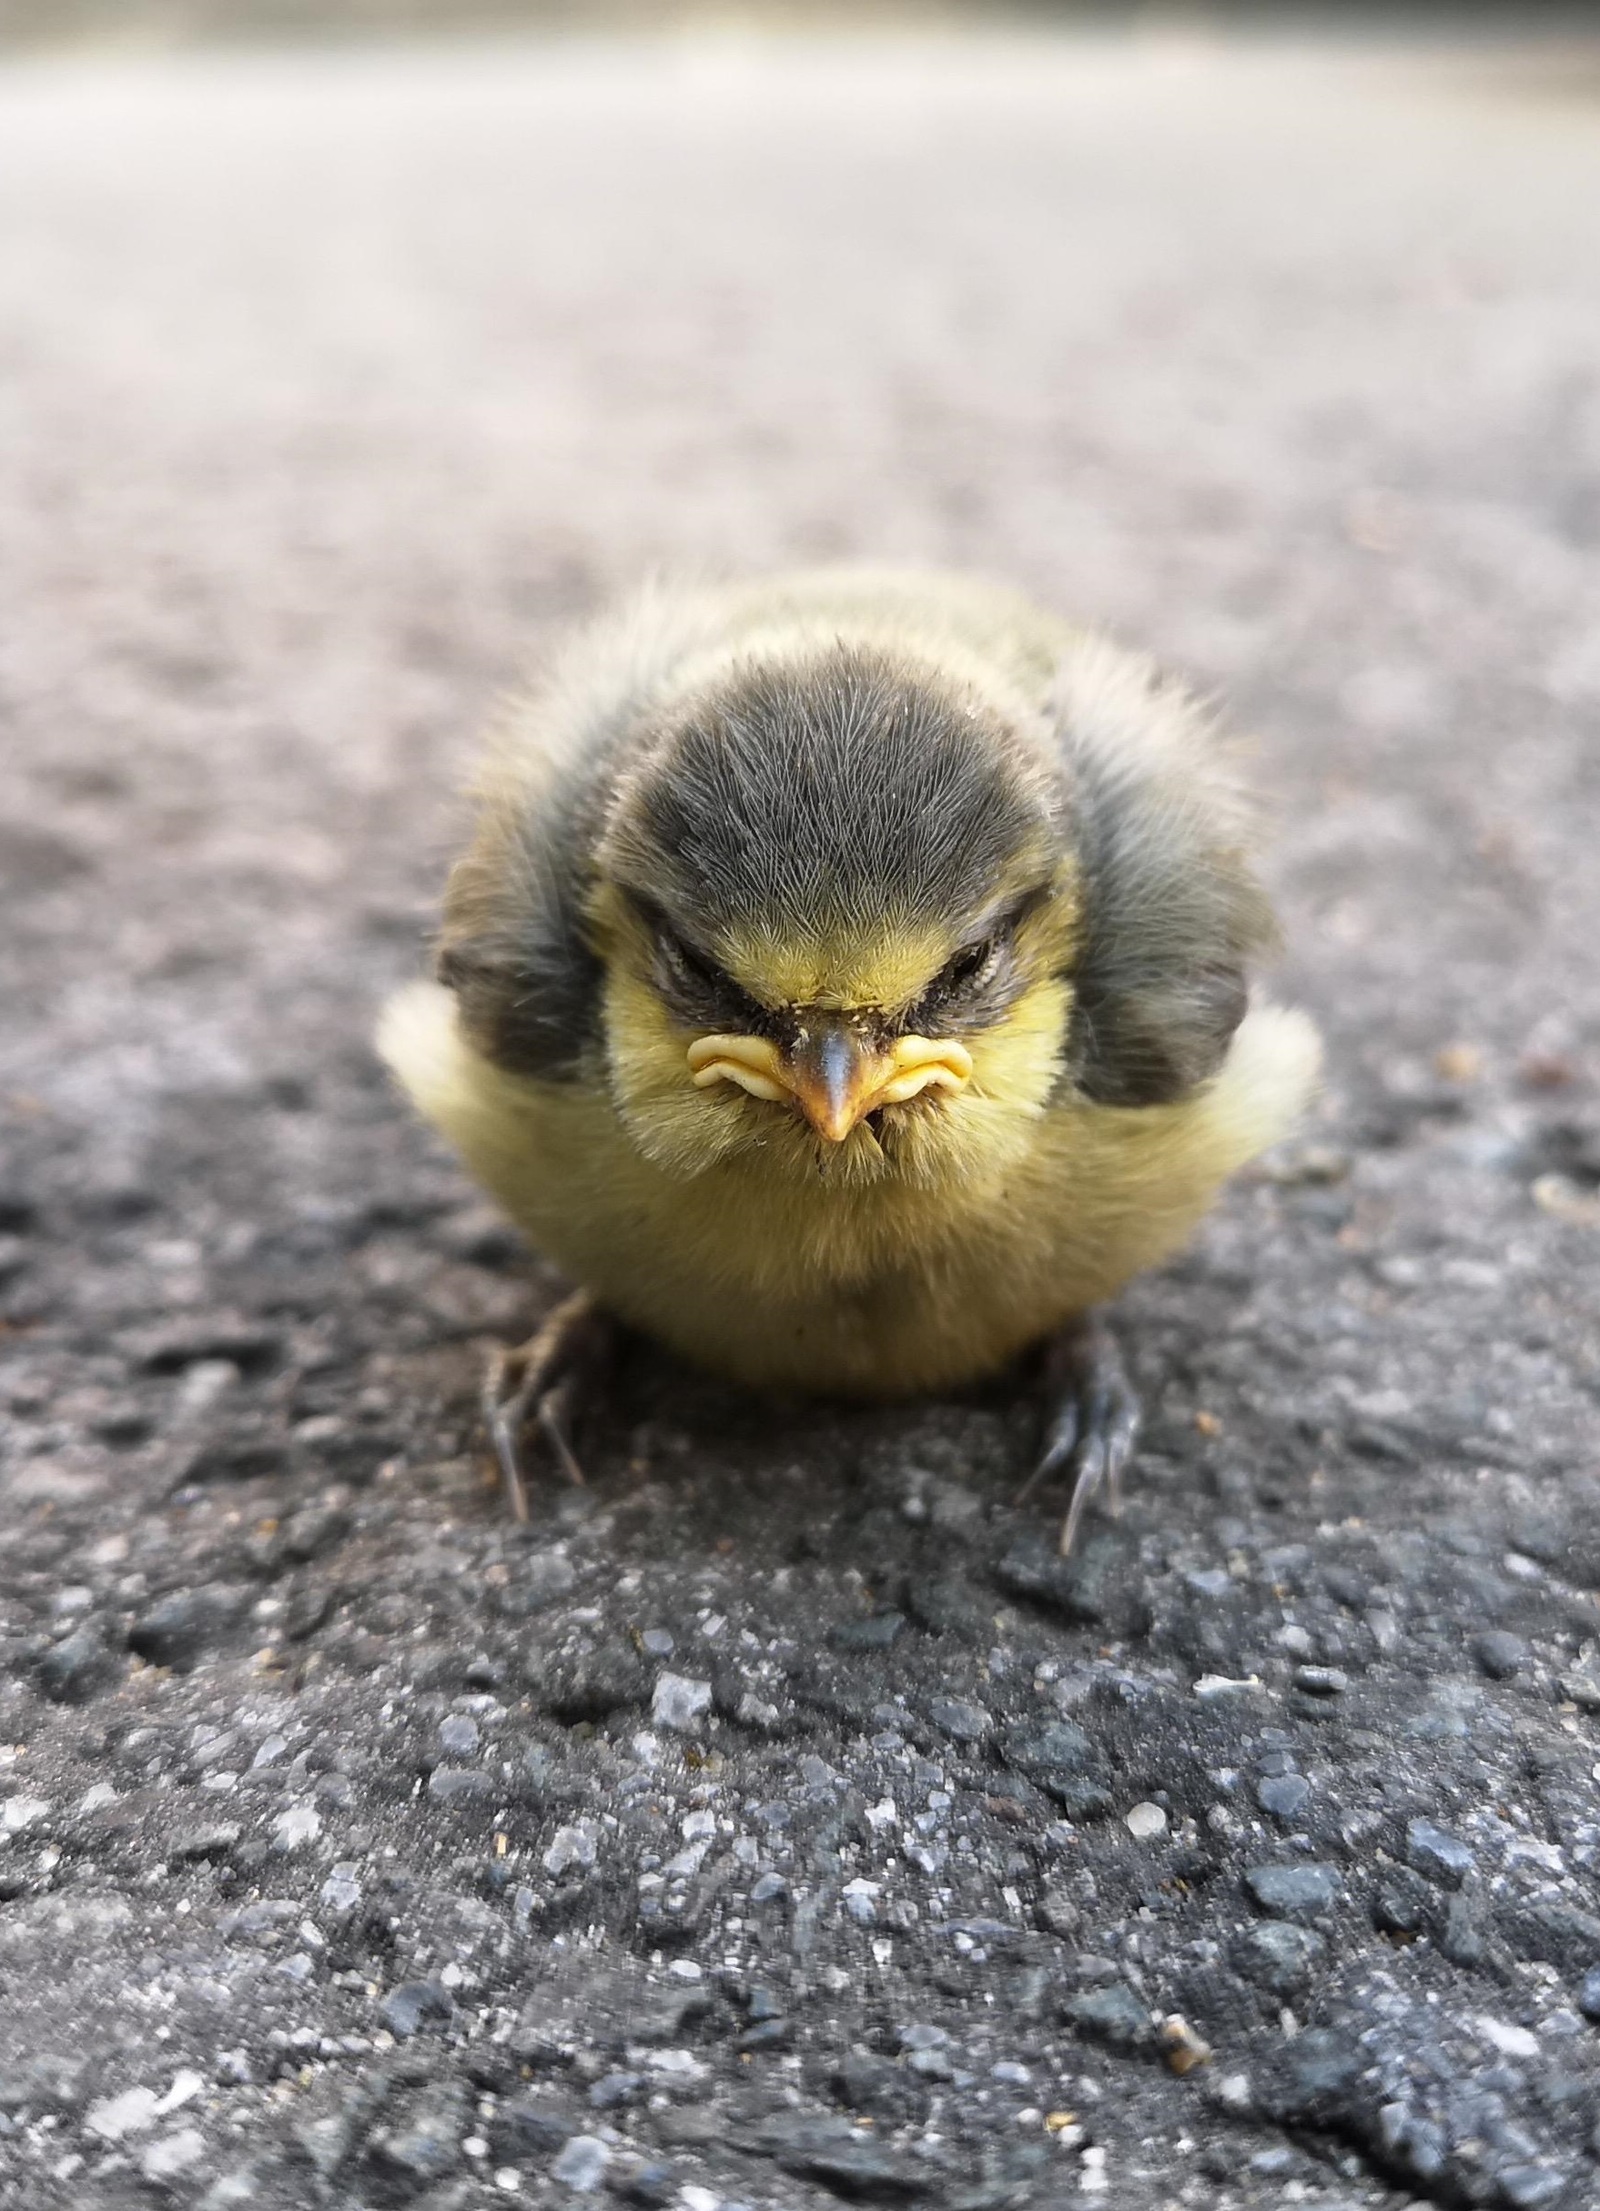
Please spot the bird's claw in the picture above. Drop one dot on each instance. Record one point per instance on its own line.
(540, 1378)
(1092, 1423)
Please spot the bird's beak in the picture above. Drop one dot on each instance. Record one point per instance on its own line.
(833, 1072)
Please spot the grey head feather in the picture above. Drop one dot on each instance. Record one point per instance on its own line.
(840, 786)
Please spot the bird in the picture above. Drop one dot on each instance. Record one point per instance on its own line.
(848, 983)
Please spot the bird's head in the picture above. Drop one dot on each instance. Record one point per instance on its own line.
(836, 914)
(847, 912)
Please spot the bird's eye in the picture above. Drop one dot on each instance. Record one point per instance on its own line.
(969, 968)
(978, 980)
(697, 988)
(686, 964)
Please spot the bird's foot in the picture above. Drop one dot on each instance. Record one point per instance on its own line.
(1091, 1422)
(543, 1378)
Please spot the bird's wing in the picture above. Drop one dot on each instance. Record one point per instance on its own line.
(1174, 917)
(514, 947)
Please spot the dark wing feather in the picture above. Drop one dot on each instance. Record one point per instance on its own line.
(514, 946)
(1173, 917)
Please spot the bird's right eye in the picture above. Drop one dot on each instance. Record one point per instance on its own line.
(685, 964)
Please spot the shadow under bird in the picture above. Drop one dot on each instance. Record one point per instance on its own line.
(847, 983)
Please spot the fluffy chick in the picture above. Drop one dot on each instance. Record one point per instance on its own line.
(847, 984)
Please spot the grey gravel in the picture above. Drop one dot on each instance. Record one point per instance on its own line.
(405, 2009)
(965, 1723)
(1285, 1796)
(1500, 1654)
(582, 2164)
(79, 1666)
(679, 1702)
(1112, 2015)
(1321, 1681)
(1443, 1857)
(1293, 1891)
(1277, 1956)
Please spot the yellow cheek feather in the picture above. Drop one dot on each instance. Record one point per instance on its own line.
(680, 1129)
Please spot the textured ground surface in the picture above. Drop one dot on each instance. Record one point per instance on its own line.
(777, 1823)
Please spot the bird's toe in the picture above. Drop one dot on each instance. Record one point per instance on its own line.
(1091, 1423)
(544, 1380)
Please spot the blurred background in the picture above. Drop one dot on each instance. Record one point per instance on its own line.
(343, 362)
(47, 21)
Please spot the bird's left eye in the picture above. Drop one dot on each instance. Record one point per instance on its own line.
(975, 984)
(968, 969)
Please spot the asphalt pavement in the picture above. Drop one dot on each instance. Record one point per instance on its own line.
(776, 1822)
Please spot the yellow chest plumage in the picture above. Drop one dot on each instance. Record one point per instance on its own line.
(882, 1287)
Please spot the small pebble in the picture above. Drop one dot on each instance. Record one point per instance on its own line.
(115, 2116)
(1506, 2037)
(341, 1892)
(1583, 1690)
(296, 1827)
(1461, 1937)
(174, 1631)
(873, 1634)
(1145, 1820)
(963, 1722)
(1284, 1795)
(1274, 2163)
(405, 2008)
(1321, 1681)
(1113, 2015)
(1319, 2068)
(680, 1703)
(1182, 2048)
(1293, 1892)
(582, 2164)
(1277, 1956)
(616, 2088)
(74, 1669)
(1443, 1857)
(1400, 1904)
(173, 2154)
(459, 1784)
(1499, 1654)
(1531, 2187)
(570, 1847)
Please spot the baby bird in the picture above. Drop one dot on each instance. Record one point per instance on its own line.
(847, 984)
